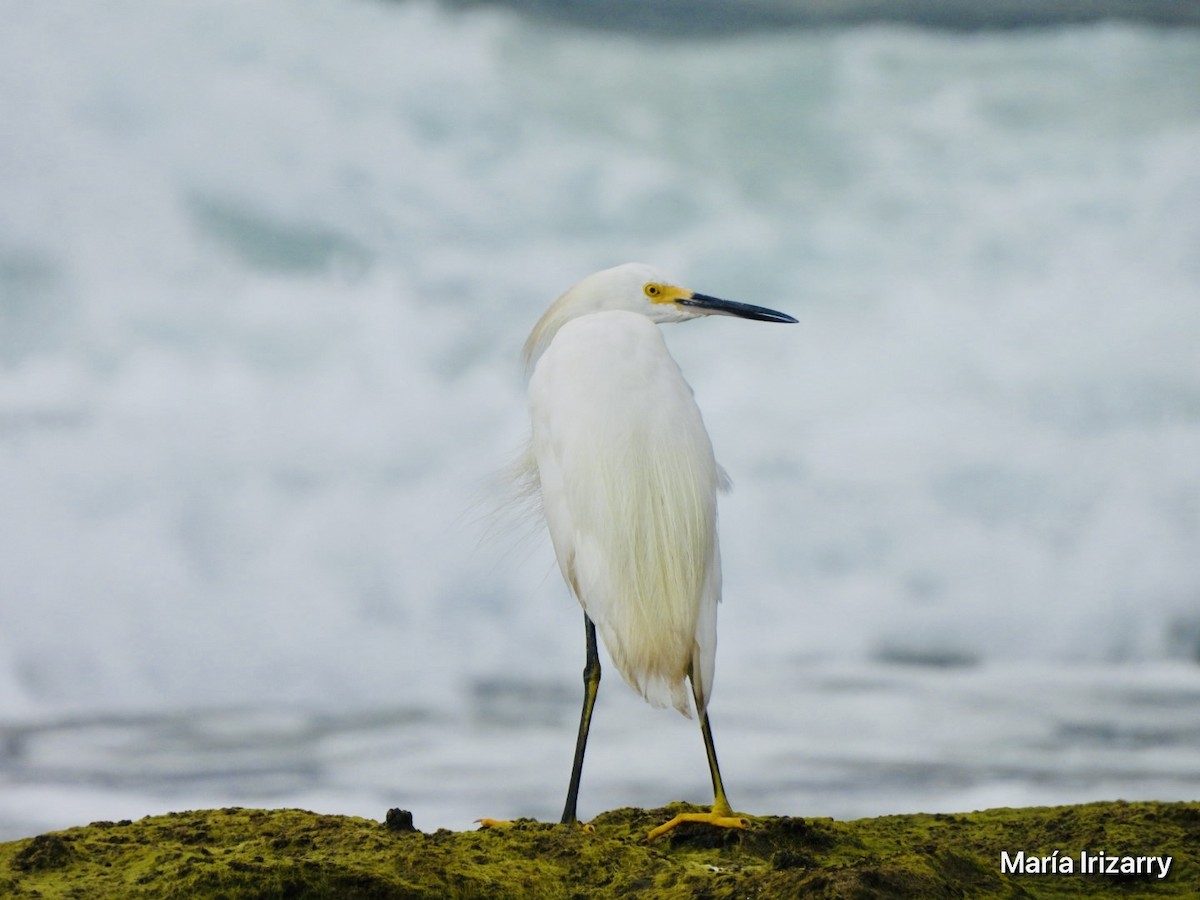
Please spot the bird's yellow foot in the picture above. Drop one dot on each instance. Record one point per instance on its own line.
(493, 823)
(715, 818)
(585, 827)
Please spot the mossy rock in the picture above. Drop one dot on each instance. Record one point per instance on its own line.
(243, 853)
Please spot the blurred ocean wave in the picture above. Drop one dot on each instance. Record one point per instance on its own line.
(264, 276)
(720, 17)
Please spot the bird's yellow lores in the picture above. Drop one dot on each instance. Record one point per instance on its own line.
(628, 483)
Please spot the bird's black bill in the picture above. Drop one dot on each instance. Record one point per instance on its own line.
(717, 306)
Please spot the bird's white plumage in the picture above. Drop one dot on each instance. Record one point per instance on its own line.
(628, 481)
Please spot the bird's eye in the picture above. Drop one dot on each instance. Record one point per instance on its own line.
(652, 289)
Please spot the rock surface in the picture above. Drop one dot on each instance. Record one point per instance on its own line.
(235, 853)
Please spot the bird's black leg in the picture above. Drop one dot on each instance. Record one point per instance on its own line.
(720, 803)
(591, 686)
(721, 814)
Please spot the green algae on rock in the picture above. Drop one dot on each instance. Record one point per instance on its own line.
(236, 853)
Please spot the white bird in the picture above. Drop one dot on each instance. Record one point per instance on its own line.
(628, 484)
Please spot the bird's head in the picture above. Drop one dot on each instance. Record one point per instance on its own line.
(636, 287)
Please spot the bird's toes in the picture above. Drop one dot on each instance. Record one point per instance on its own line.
(493, 823)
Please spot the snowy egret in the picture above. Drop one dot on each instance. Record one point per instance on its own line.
(628, 484)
